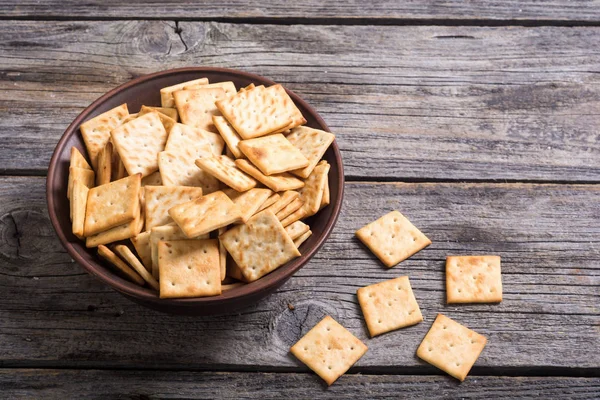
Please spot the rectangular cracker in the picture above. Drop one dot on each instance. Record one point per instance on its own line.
(138, 142)
(224, 169)
(273, 154)
(165, 233)
(312, 143)
(141, 243)
(168, 111)
(120, 265)
(78, 160)
(286, 198)
(104, 165)
(269, 202)
(197, 107)
(451, 347)
(189, 268)
(289, 209)
(314, 186)
(295, 216)
(121, 232)
(259, 246)
(389, 305)
(166, 93)
(205, 214)
(133, 261)
(78, 205)
(83, 175)
(249, 202)
(275, 182)
(392, 238)
(302, 238)
(329, 349)
(113, 204)
(184, 138)
(296, 229)
(154, 179)
(96, 131)
(159, 199)
(259, 111)
(473, 279)
(228, 134)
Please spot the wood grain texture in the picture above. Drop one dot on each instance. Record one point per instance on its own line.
(353, 10)
(112, 384)
(406, 102)
(55, 315)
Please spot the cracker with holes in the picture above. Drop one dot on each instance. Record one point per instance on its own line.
(189, 268)
(223, 168)
(96, 131)
(473, 279)
(205, 214)
(166, 94)
(276, 182)
(164, 233)
(196, 108)
(159, 199)
(113, 204)
(179, 169)
(329, 349)
(389, 305)
(392, 238)
(138, 142)
(451, 347)
(259, 246)
(183, 137)
(312, 143)
(273, 154)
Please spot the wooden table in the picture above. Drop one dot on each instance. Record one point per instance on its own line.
(478, 121)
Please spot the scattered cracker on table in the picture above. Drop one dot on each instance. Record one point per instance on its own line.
(329, 349)
(273, 154)
(189, 268)
(473, 279)
(392, 238)
(389, 305)
(451, 347)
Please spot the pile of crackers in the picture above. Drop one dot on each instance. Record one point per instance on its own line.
(330, 350)
(203, 194)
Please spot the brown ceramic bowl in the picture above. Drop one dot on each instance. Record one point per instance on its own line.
(145, 90)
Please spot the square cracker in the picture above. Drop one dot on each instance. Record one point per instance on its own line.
(121, 232)
(166, 93)
(302, 239)
(138, 142)
(273, 154)
(123, 268)
(141, 242)
(228, 134)
(224, 169)
(392, 238)
(196, 108)
(312, 143)
(78, 205)
(389, 305)
(260, 111)
(314, 186)
(83, 175)
(285, 199)
(96, 131)
(276, 182)
(159, 199)
(297, 229)
(113, 204)
(189, 268)
(259, 246)
(473, 279)
(183, 137)
(329, 349)
(133, 261)
(249, 202)
(167, 121)
(451, 347)
(165, 233)
(180, 170)
(78, 160)
(205, 214)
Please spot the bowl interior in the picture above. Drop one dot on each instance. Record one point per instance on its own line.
(145, 91)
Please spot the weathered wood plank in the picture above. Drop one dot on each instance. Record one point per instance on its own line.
(440, 103)
(104, 384)
(55, 315)
(353, 10)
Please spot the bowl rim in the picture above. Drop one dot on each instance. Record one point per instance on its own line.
(129, 289)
